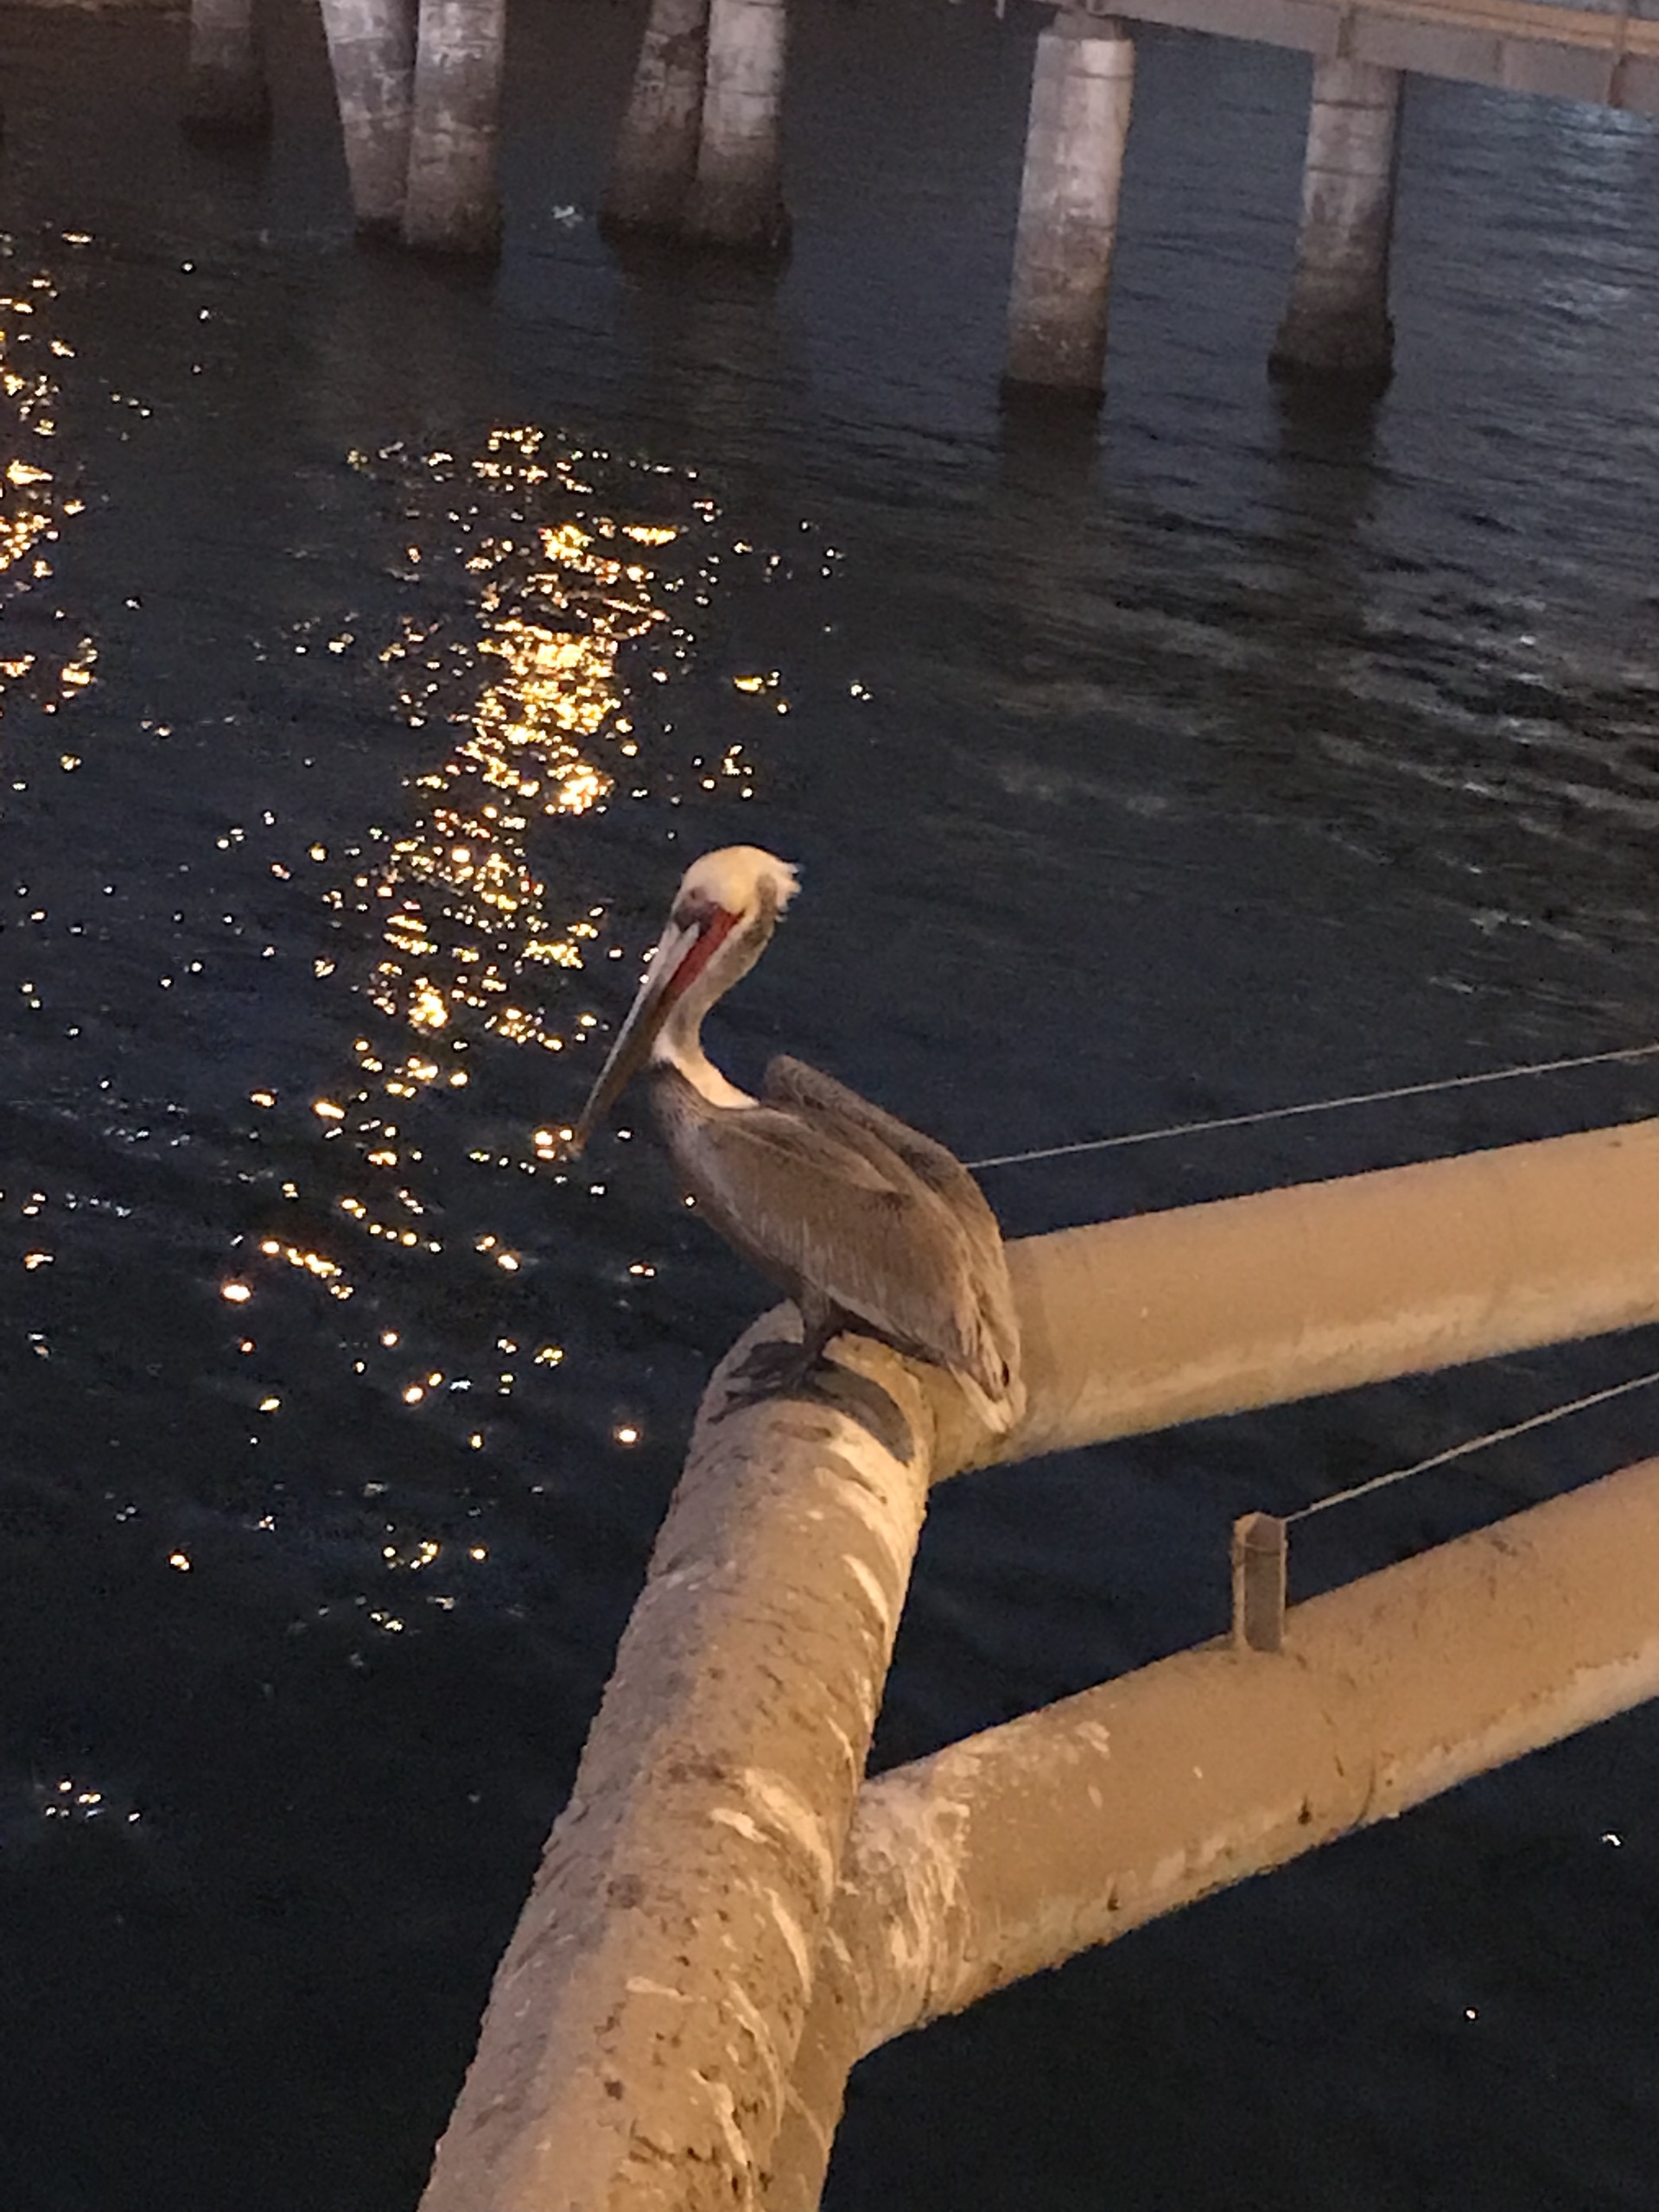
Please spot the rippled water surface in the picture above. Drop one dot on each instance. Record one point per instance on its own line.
(376, 647)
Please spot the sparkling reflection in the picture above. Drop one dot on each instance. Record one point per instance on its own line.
(69, 1799)
(555, 623)
(529, 669)
(558, 597)
(33, 504)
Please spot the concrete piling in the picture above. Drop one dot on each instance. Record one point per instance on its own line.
(1080, 99)
(1336, 324)
(656, 158)
(452, 206)
(225, 92)
(737, 196)
(372, 52)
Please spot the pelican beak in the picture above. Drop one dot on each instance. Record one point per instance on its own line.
(672, 968)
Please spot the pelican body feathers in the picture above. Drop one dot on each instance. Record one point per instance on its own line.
(866, 1224)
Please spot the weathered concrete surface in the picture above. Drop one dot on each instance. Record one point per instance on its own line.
(105, 7)
(226, 95)
(737, 196)
(1605, 55)
(371, 53)
(1337, 323)
(1014, 1850)
(1081, 94)
(1142, 1324)
(645, 2023)
(452, 206)
(656, 156)
(644, 2020)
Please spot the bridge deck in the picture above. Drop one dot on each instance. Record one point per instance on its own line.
(1610, 57)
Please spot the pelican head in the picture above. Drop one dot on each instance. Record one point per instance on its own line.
(724, 912)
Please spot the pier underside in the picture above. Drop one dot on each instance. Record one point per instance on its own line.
(1610, 57)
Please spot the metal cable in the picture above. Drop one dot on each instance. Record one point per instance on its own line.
(1315, 1106)
(1472, 1444)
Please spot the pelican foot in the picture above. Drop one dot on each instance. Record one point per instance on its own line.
(784, 1368)
(778, 1368)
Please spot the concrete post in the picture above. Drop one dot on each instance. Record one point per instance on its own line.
(1080, 99)
(1337, 323)
(1008, 1852)
(371, 51)
(656, 156)
(452, 206)
(737, 197)
(225, 92)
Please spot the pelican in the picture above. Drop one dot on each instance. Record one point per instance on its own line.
(869, 1226)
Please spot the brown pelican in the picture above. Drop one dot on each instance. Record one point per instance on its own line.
(870, 1226)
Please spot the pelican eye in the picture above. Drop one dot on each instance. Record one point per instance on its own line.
(695, 912)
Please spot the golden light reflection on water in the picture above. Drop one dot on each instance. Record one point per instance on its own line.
(469, 918)
(33, 504)
(545, 614)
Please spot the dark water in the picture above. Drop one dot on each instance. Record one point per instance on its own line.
(375, 647)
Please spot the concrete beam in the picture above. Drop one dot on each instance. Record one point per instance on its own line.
(1142, 1324)
(1014, 1850)
(1565, 52)
(643, 2020)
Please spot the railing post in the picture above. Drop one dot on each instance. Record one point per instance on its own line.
(1259, 1564)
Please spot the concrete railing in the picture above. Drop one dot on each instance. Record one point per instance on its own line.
(723, 1919)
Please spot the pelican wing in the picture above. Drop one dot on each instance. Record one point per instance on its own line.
(791, 1083)
(821, 1213)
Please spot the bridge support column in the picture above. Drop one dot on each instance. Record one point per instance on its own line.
(656, 157)
(452, 204)
(1080, 99)
(372, 52)
(1337, 323)
(225, 91)
(737, 198)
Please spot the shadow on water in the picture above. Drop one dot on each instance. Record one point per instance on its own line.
(703, 330)
(1049, 445)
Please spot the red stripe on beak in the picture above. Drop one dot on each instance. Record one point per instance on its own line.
(662, 987)
(714, 934)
